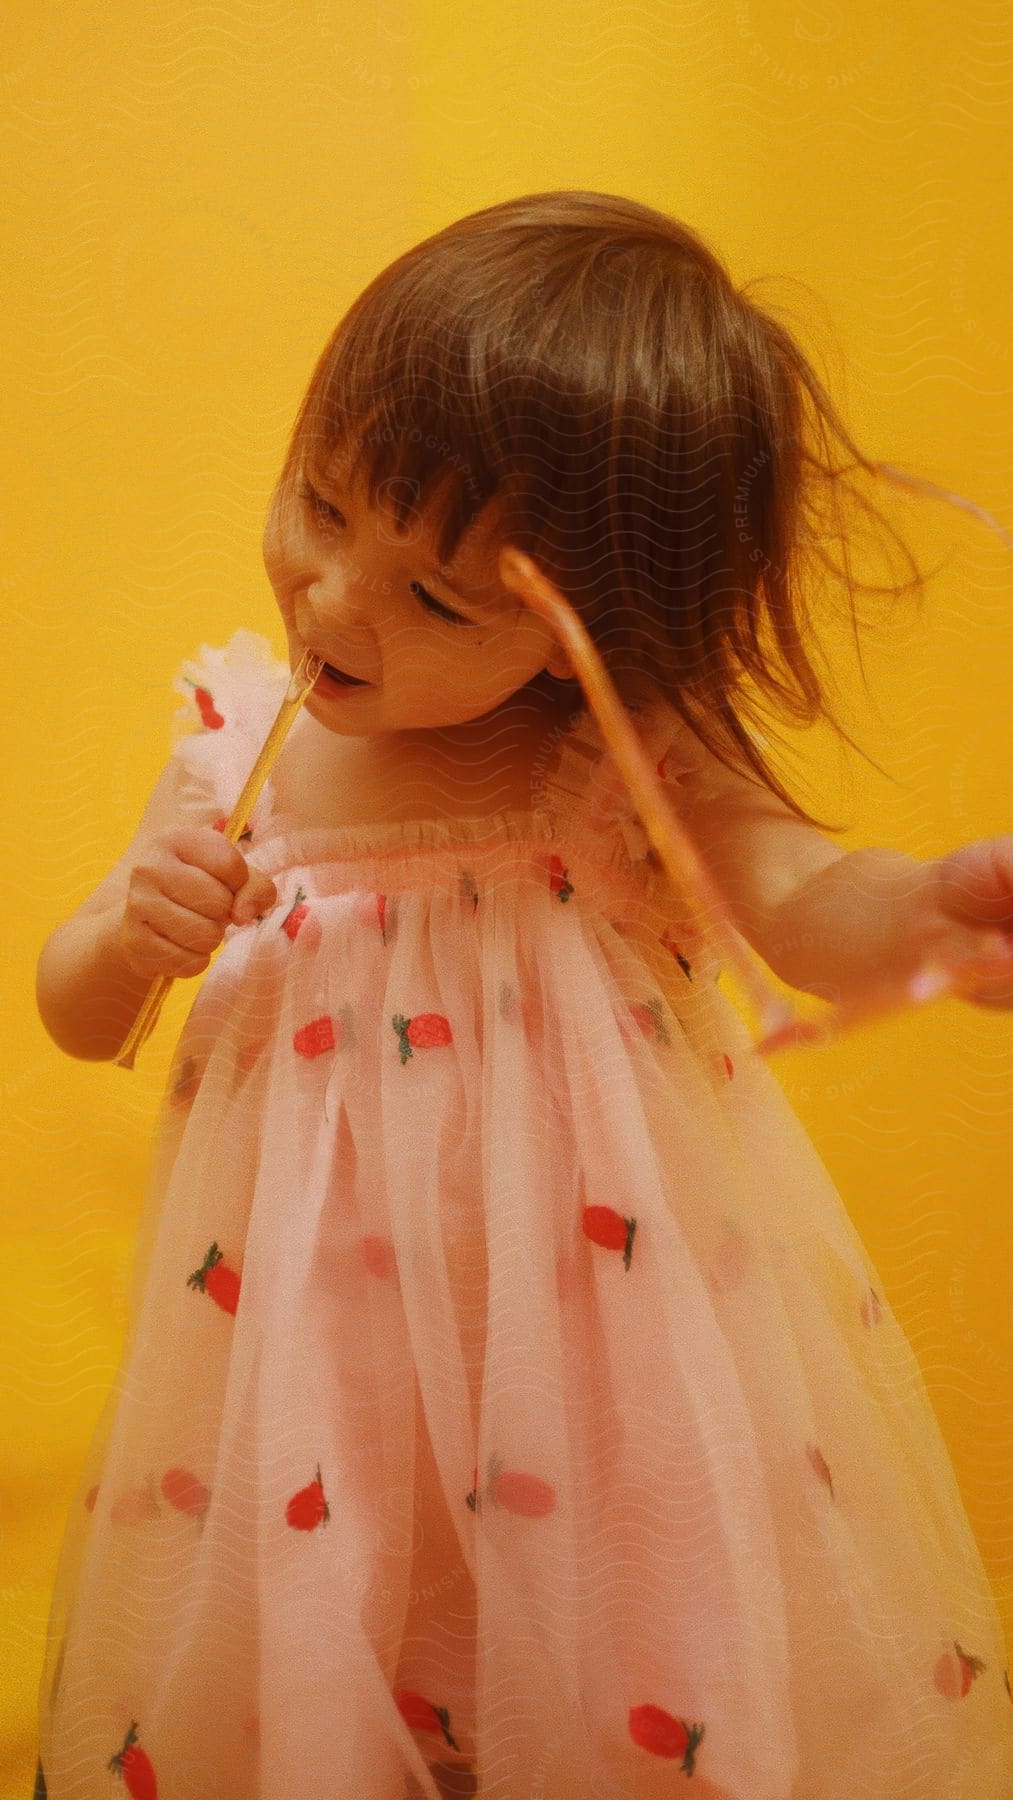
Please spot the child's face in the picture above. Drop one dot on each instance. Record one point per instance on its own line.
(372, 602)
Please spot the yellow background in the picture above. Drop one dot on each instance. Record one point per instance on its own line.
(194, 195)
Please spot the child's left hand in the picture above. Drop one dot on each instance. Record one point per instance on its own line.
(966, 913)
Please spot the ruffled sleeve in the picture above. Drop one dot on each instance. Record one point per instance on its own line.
(583, 787)
(587, 800)
(231, 697)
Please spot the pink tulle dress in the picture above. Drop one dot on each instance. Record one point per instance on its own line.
(508, 1406)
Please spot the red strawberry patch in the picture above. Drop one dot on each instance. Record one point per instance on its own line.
(297, 912)
(214, 1277)
(422, 1715)
(528, 1496)
(650, 1018)
(370, 910)
(668, 942)
(315, 1038)
(378, 1255)
(185, 1492)
(426, 1031)
(604, 1226)
(558, 880)
(307, 1509)
(211, 719)
(133, 1765)
(656, 1730)
(955, 1671)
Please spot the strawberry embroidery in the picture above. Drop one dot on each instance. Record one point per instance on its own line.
(650, 1018)
(656, 1730)
(668, 942)
(604, 1226)
(185, 1492)
(528, 1496)
(468, 888)
(815, 1455)
(422, 1715)
(378, 1255)
(316, 1037)
(328, 1032)
(424, 1032)
(211, 719)
(297, 912)
(371, 909)
(214, 1277)
(558, 881)
(134, 1767)
(953, 1675)
(307, 1509)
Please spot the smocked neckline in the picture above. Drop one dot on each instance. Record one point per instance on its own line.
(511, 824)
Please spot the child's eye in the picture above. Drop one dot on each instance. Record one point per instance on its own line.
(321, 507)
(330, 514)
(431, 604)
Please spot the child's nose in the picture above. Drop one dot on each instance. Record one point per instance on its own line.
(342, 604)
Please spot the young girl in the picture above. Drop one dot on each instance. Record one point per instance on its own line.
(508, 1406)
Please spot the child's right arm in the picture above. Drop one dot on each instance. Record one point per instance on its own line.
(162, 910)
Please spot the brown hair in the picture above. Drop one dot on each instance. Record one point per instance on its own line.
(660, 445)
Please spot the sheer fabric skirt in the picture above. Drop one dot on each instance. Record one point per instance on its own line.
(507, 1406)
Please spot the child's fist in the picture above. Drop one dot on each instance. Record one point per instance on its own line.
(256, 896)
(971, 915)
(181, 899)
